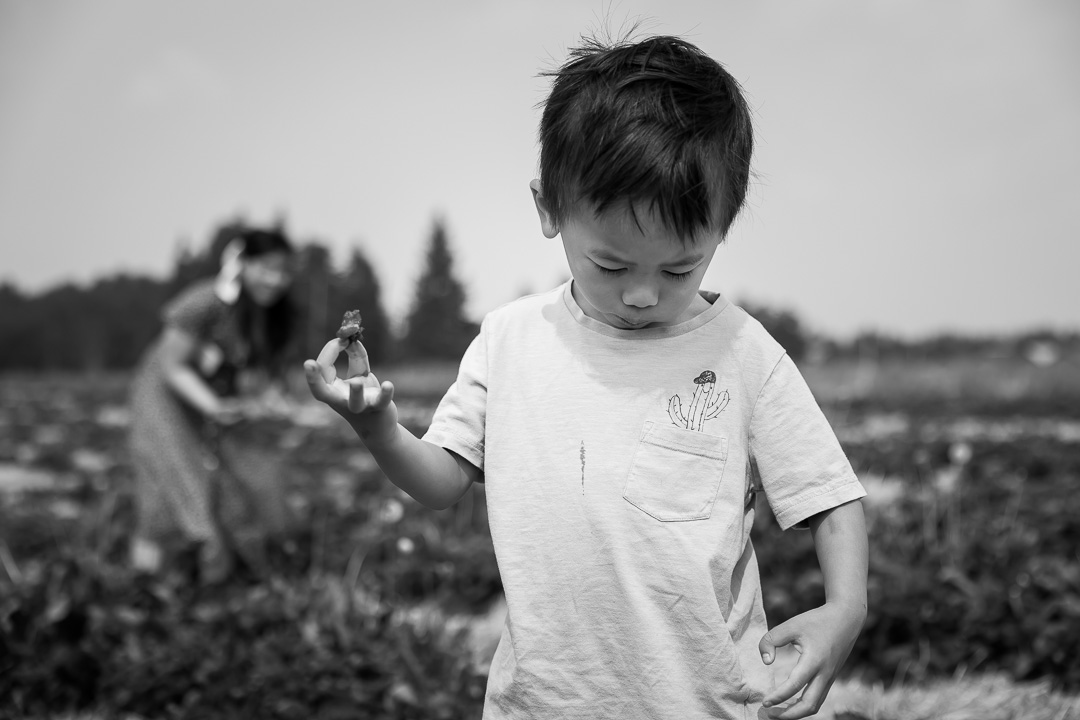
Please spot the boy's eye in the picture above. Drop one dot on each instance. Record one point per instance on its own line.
(679, 276)
(609, 271)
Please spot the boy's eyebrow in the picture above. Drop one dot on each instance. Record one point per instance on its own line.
(691, 259)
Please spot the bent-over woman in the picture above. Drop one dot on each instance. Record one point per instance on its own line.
(198, 485)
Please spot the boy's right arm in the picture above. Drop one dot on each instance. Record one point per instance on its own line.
(432, 475)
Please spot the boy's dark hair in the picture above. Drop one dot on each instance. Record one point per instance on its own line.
(656, 122)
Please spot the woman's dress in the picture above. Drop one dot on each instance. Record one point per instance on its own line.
(196, 481)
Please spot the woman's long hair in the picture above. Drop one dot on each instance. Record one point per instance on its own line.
(268, 330)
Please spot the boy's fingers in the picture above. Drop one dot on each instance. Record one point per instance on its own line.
(800, 675)
(358, 359)
(380, 397)
(316, 382)
(357, 394)
(327, 356)
(811, 701)
(360, 392)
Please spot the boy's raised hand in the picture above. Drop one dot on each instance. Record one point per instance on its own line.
(360, 398)
(824, 637)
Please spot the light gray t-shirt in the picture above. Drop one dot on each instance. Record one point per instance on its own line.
(620, 475)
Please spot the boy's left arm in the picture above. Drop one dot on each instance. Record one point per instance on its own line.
(824, 636)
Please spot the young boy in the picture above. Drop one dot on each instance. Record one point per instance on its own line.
(624, 423)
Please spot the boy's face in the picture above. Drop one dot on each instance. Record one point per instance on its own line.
(627, 276)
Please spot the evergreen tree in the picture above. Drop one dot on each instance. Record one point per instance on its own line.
(121, 316)
(322, 296)
(18, 348)
(311, 288)
(436, 327)
(358, 288)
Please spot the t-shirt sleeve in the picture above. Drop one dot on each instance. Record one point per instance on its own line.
(459, 420)
(801, 466)
(192, 310)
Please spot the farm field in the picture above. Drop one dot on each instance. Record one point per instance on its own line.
(376, 607)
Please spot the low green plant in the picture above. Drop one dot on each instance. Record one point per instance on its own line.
(973, 566)
(973, 569)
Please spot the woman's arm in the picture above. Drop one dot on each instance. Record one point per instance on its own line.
(178, 348)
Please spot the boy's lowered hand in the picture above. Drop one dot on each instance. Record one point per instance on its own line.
(360, 398)
(824, 637)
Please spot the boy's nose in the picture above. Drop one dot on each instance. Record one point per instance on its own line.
(640, 296)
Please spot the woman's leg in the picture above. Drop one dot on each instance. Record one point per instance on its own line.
(173, 470)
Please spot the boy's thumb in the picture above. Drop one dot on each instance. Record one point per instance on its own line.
(767, 649)
(315, 381)
(776, 637)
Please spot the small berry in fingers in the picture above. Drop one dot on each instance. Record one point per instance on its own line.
(350, 333)
(351, 329)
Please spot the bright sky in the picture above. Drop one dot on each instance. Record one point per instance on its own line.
(918, 164)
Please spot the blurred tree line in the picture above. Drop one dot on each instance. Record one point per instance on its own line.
(1040, 346)
(107, 324)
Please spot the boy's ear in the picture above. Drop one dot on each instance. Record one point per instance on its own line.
(548, 224)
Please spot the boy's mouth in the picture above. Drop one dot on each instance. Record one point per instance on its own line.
(631, 325)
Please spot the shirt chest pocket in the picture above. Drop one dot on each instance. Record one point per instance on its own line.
(675, 473)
